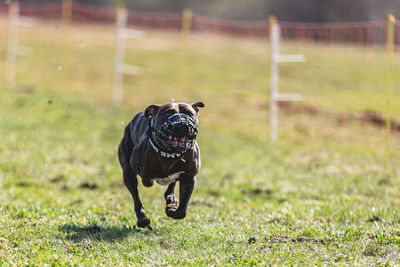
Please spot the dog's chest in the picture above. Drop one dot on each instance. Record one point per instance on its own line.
(170, 179)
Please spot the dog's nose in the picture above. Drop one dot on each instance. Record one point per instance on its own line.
(182, 130)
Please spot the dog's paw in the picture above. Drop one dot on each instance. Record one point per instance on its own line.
(172, 201)
(170, 210)
(173, 213)
(143, 222)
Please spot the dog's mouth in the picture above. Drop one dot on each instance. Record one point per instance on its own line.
(177, 142)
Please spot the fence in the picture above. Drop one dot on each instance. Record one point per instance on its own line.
(367, 33)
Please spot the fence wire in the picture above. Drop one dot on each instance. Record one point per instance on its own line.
(365, 32)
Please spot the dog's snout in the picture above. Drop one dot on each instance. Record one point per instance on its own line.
(181, 125)
(181, 130)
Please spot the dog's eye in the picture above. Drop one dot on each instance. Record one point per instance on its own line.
(169, 113)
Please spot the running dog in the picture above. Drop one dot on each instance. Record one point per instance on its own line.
(159, 144)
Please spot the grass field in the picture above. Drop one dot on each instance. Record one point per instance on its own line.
(322, 195)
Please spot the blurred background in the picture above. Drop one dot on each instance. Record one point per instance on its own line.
(288, 10)
(72, 77)
(218, 52)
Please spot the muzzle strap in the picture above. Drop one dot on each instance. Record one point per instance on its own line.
(165, 154)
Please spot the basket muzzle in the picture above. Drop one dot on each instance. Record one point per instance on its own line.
(176, 136)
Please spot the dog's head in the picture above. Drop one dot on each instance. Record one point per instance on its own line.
(161, 113)
(174, 125)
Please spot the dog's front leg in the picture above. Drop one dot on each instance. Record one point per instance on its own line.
(131, 182)
(171, 200)
(186, 186)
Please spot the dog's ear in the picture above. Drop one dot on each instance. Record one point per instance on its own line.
(197, 105)
(151, 111)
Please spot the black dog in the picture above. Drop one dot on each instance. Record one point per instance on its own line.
(160, 145)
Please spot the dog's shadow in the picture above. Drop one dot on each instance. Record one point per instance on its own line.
(93, 231)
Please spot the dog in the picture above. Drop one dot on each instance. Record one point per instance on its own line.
(159, 145)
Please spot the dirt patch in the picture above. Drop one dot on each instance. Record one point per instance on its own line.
(57, 179)
(214, 193)
(258, 192)
(23, 184)
(91, 186)
(65, 188)
(365, 117)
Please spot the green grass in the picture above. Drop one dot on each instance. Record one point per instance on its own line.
(322, 195)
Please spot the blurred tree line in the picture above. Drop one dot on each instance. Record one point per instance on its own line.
(286, 10)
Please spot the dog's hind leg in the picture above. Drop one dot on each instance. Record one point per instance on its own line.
(131, 182)
(172, 201)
